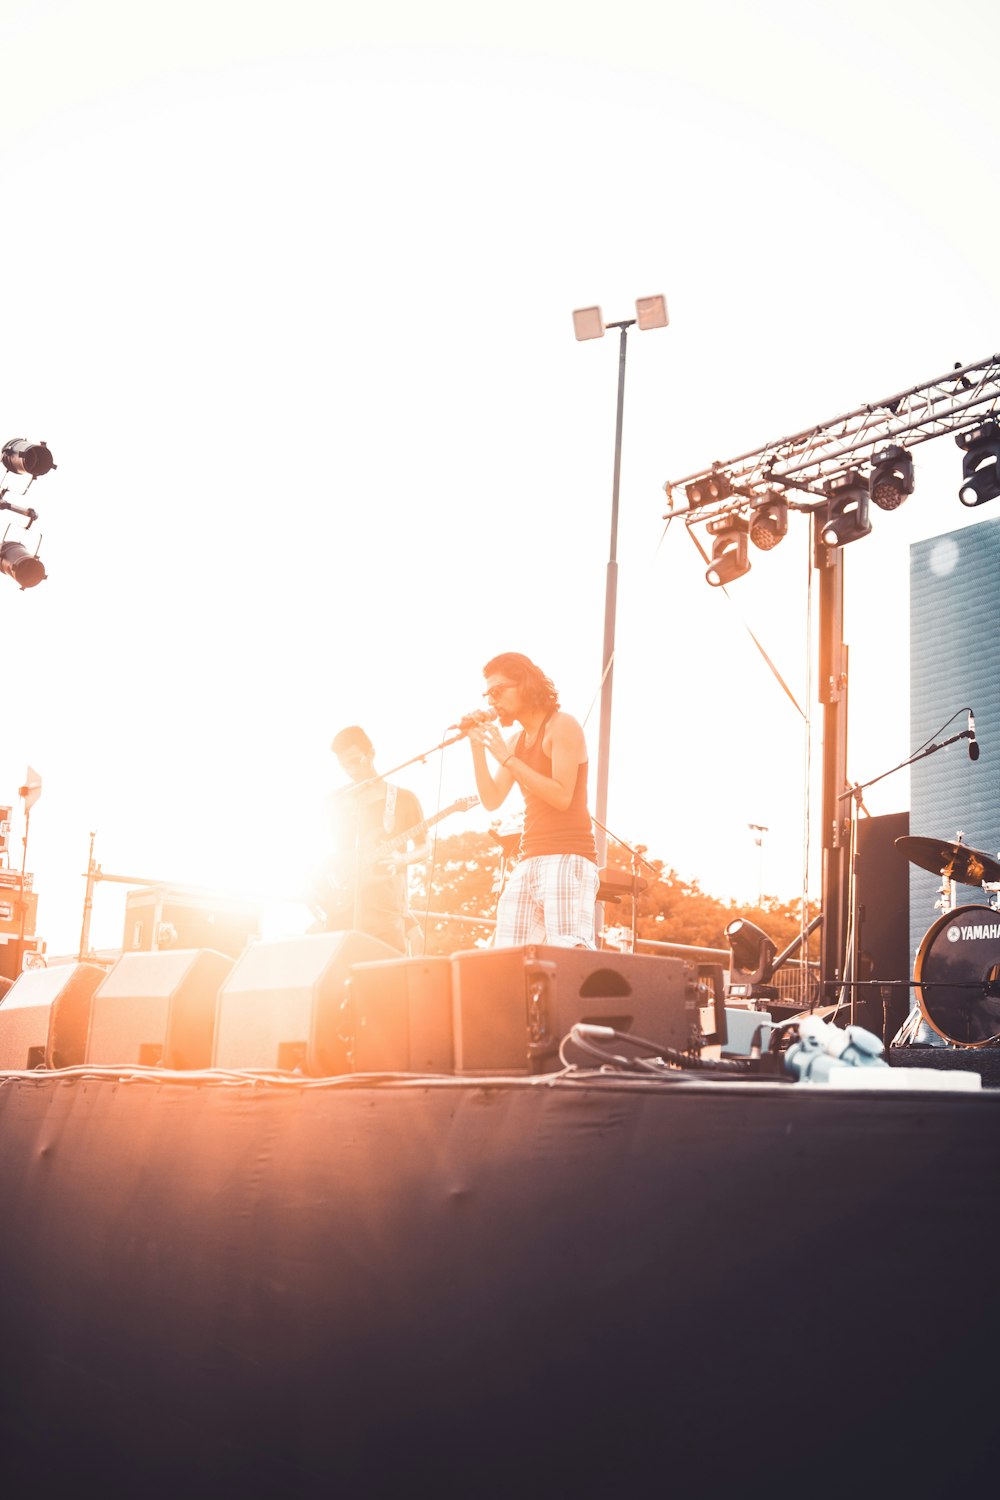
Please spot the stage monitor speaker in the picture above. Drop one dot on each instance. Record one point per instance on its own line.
(400, 1016)
(158, 1010)
(513, 1006)
(280, 1007)
(45, 1015)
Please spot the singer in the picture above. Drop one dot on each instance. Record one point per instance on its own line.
(358, 890)
(552, 890)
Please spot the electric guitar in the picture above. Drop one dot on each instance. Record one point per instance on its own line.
(333, 893)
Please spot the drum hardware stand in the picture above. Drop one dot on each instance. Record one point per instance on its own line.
(854, 793)
(947, 899)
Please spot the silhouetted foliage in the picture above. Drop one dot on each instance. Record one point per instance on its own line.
(462, 881)
(461, 874)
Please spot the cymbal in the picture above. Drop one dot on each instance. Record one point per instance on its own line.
(955, 861)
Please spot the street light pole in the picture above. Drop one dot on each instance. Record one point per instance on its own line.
(610, 610)
(651, 312)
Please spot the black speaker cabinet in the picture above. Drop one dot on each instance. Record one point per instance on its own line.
(45, 1015)
(400, 1016)
(883, 898)
(513, 1006)
(158, 1009)
(281, 1006)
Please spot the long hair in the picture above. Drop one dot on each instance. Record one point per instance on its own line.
(538, 690)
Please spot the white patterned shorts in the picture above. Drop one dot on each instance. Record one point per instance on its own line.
(548, 898)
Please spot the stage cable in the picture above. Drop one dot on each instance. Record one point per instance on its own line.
(774, 670)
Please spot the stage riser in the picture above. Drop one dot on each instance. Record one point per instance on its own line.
(982, 1060)
(521, 1289)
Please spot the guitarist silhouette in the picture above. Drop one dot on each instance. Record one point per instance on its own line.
(378, 831)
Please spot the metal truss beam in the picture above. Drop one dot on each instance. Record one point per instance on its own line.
(805, 464)
(807, 460)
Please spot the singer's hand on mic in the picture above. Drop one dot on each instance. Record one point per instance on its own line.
(494, 742)
(489, 736)
(471, 721)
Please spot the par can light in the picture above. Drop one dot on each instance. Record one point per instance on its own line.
(20, 456)
(26, 568)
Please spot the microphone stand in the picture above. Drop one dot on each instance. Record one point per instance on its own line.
(854, 793)
(636, 860)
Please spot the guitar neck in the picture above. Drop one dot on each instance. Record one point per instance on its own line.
(400, 840)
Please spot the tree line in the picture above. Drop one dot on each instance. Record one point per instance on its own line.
(461, 881)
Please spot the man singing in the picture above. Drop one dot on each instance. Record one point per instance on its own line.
(552, 890)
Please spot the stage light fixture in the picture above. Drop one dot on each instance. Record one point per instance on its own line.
(20, 456)
(26, 568)
(706, 491)
(891, 478)
(980, 478)
(729, 550)
(846, 518)
(769, 522)
(751, 953)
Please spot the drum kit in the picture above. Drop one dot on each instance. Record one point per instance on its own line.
(956, 976)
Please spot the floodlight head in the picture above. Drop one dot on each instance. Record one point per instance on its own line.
(588, 323)
(651, 312)
(751, 953)
(729, 550)
(980, 478)
(19, 456)
(26, 568)
(708, 489)
(846, 519)
(891, 478)
(769, 522)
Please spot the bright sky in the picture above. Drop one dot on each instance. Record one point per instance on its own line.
(289, 294)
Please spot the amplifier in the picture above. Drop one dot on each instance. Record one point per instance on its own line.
(11, 902)
(167, 917)
(513, 1006)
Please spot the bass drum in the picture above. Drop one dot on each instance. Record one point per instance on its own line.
(957, 976)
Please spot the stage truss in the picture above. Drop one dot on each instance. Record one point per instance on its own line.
(800, 469)
(807, 461)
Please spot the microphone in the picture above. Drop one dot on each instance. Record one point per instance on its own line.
(973, 742)
(471, 721)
